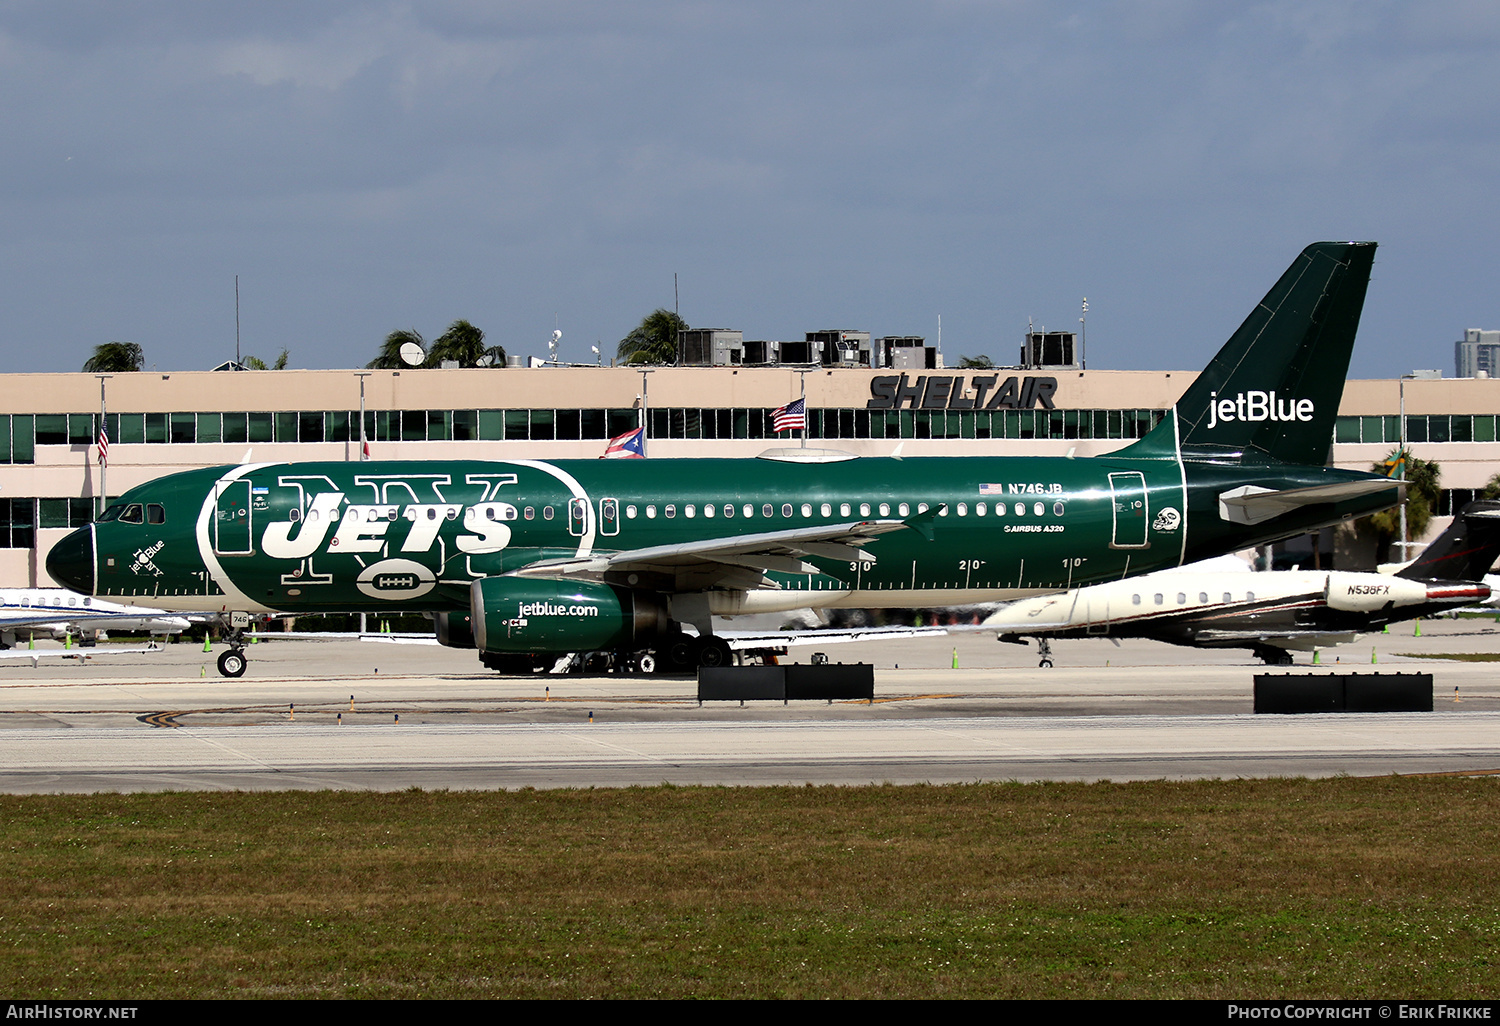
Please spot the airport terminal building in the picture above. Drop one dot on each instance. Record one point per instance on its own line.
(160, 423)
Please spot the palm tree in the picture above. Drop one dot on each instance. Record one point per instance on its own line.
(1422, 492)
(115, 358)
(654, 340)
(390, 350)
(256, 363)
(461, 342)
(980, 362)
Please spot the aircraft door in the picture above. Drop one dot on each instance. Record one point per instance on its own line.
(578, 517)
(232, 518)
(1128, 493)
(609, 517)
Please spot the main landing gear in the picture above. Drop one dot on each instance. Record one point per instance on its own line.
(1273, 656)
(684, 653)
(675, 654)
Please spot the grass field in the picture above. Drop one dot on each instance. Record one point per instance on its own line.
(1283, 888)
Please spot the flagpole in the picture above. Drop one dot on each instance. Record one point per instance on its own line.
(104, 452)
(645, 405)
(803, 376)
(364, 446)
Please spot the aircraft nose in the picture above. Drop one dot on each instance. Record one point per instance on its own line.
(71, 561)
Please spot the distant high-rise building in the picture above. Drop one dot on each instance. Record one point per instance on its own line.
(1478, 351)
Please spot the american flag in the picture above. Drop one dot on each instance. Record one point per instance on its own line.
(626, 446)
(103, 443)
(792, 415)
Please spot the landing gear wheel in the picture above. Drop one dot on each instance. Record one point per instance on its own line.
(678, 655)
(646, 662)
(1044, 653)
(1272, 656)
(713, 652)
(232, 663)
(1045, 663)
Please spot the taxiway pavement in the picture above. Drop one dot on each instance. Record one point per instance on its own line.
(386, 716)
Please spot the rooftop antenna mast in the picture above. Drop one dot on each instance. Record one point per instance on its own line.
(237, 320)
(1083, 335)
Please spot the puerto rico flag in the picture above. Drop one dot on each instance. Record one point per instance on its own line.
(792, 415)
(629, 446)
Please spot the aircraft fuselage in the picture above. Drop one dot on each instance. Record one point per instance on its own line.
(416, 535)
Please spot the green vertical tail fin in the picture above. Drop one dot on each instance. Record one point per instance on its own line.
(1273, 391)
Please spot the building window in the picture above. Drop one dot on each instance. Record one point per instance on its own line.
(17, 523)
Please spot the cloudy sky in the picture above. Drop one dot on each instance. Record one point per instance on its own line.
(370, 166)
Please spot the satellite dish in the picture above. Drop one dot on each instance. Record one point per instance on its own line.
(412, 355)
(556, 336)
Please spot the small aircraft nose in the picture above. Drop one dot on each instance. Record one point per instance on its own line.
(71, 561)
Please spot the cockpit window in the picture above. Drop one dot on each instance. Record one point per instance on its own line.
(113, 513)
(134, 514)
(155, 513)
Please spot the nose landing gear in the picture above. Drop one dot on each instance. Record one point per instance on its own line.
(232, 663)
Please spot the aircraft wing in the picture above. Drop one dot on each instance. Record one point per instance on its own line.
(58, 620)
(740, 561)
(1304, 641)
(389, 638)
(81, 654)
(741, 640)
(1252, 504)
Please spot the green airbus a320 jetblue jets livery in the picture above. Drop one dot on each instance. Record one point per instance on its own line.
(528, 559)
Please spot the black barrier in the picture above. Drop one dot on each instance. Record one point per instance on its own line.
(827, 682)
(1343, 692)
(830, 681)
(741, 683)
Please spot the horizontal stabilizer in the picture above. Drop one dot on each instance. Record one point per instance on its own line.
(1252, 504)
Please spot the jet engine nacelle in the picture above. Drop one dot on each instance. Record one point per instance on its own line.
(1370, 593)
(519, 614)
(455, 630)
